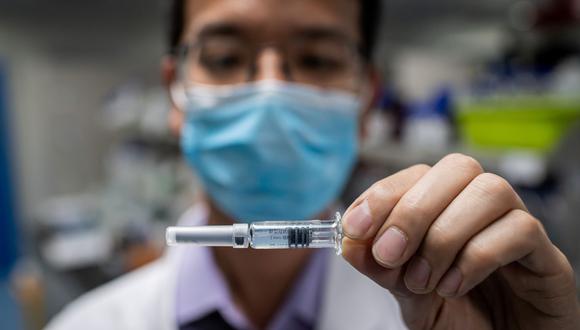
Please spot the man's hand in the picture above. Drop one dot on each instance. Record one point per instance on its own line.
(459, 250)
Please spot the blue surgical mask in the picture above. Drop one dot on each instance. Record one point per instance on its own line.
(271, 150)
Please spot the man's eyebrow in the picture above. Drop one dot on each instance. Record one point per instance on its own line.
(323, 32)
(219, 30)
(226, 29)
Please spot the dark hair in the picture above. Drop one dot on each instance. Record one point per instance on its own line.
(369, 23)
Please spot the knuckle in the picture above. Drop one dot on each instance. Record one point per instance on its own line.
(420, 168)
(494, 185)
(440, 240)
(464, 162)
(383, 191)
(409, 208)
(528, 226)
(568, 271)
(478, 254)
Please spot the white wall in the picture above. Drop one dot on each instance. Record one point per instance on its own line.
(60, 70)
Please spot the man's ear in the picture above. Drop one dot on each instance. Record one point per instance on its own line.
(371, 94)
(169, 78)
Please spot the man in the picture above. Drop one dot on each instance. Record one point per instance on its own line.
(269, 99)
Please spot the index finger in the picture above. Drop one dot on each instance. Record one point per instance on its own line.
(361, 220)
(367, 214)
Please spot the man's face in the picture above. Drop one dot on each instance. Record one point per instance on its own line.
(305, 41)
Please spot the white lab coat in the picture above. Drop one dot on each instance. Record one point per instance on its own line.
(145, 300)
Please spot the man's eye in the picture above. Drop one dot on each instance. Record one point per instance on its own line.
(222, 62)
(313, 62)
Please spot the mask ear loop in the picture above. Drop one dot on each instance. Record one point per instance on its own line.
(178, 89)
(362, 88)
(178, 95)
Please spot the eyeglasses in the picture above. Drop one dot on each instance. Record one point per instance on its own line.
(328, 62)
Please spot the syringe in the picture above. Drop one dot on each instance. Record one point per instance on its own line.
(263, 235)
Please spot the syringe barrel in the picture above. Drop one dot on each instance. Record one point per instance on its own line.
(297, 234)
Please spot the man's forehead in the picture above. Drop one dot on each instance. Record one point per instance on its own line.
(273, 18)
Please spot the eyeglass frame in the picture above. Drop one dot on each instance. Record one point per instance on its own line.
(181, 52)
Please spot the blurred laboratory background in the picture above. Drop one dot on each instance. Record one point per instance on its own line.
(90, 175)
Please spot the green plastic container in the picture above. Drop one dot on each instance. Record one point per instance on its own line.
(534, 123)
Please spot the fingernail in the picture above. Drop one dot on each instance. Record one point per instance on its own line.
(390, 246)
(358, 221)
(418, 273)
(450, 284)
